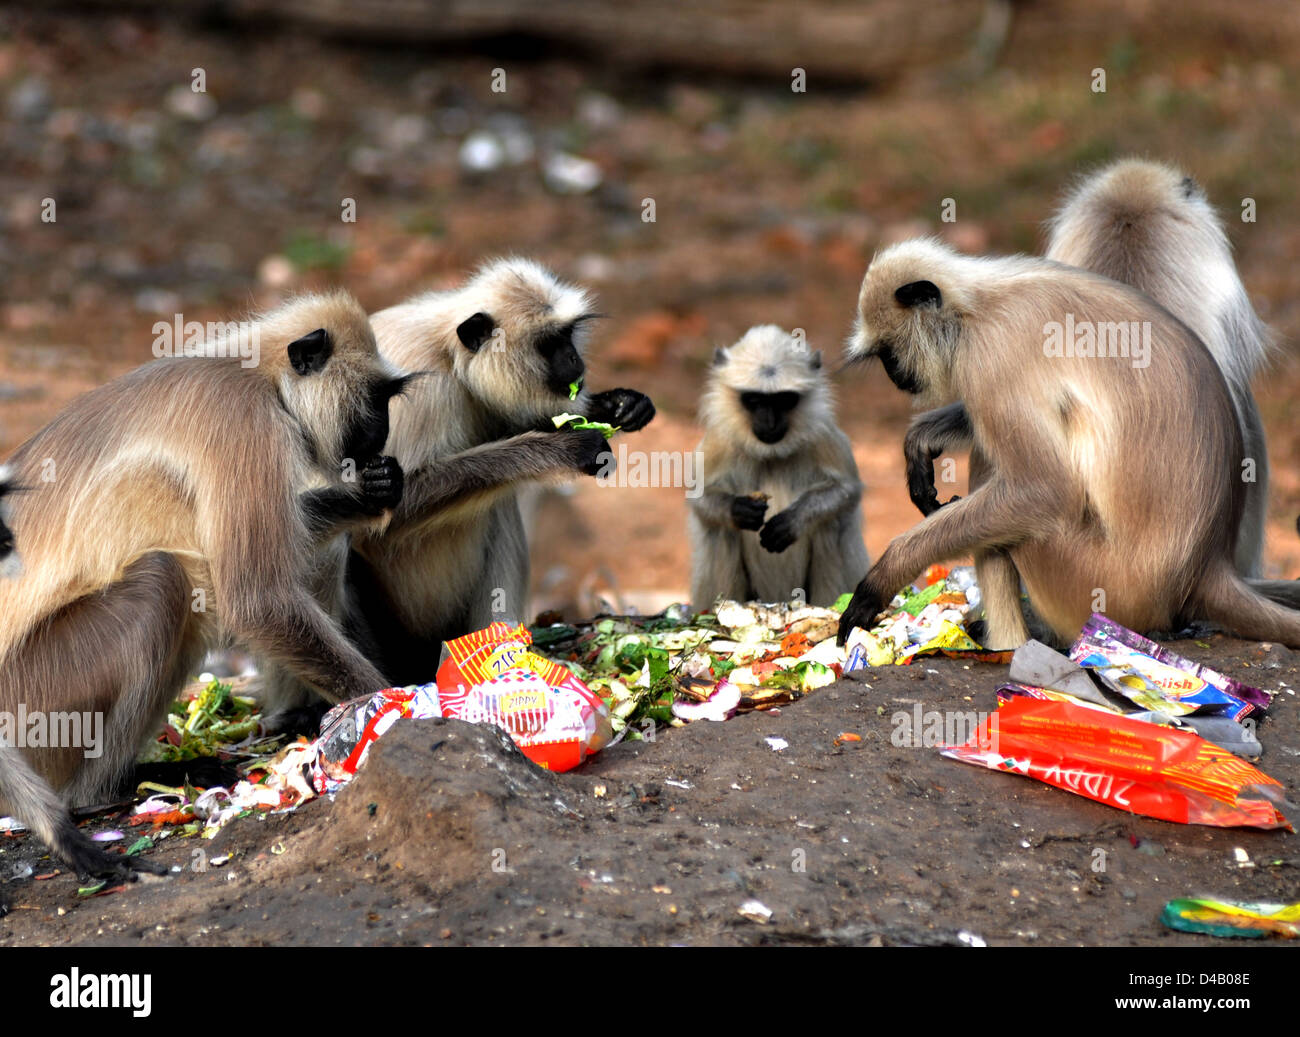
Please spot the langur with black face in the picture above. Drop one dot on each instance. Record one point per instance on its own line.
(1111, 480)
(1150, 226)
(780, 515)
(496, 360)
(161, 514)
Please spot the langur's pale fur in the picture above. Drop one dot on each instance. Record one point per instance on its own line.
(1108, 485)
(1151, 226)
(809, 475)
(468, 432)
(159, 514)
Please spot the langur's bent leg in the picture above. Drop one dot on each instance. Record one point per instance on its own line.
(127, 650)
(999, 583)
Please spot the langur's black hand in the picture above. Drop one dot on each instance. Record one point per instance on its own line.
(920, 479)
(626, 409)
(862, 611)
(382, 482)
(88, 861)
(589, 451)
(779, 533)
(747, 512)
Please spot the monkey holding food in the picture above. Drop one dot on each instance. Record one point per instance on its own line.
(780, 515)
(495, 361)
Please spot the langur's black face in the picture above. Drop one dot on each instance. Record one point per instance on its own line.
(769, 413)
(369, 432)
(6, 534)
(898, 374)
(564, 364)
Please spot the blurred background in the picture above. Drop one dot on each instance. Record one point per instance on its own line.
(467, 131)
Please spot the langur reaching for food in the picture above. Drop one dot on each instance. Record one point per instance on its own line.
(165, 511)
(497, 359)
(1148, 225)
(780, 515)
(1109, 436)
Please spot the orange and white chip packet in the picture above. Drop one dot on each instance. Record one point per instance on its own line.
(493, 677)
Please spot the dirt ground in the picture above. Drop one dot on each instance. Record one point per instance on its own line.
(448, 836)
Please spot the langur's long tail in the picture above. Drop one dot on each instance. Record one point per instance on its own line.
(1283, 592)
(1247, 609)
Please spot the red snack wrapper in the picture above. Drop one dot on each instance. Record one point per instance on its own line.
(1138, 767)
(491, 676)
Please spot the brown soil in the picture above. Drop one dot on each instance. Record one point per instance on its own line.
(449, 836)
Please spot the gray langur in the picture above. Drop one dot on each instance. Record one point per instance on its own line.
(497, 359)
(780, 514)
(1150, 226)
(1109, 438)
(162, 513)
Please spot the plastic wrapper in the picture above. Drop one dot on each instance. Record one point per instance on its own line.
(492, 676)
(1232, 918)
(1157, 678)
(1129, 764)
(488, 677)
(1040, 672)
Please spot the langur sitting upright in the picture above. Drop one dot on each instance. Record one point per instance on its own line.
(1111, 445)
(780, 516)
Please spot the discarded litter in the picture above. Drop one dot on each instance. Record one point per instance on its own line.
(1232, 918)
(1131, 764)
(756, 911)
(491, 676)
(923, 622)
(1128, 739)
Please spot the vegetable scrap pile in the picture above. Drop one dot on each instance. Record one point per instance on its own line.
(215, 723)
(652, 671)
(924, 622)
(678, 666)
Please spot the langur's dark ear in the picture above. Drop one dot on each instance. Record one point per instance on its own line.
(397, 386)
(1190, 187)
(815, 361)
(474, 331)
(919, 293)
(720, 357)
(309, 354)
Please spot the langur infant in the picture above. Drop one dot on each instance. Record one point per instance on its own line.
(780, 515)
